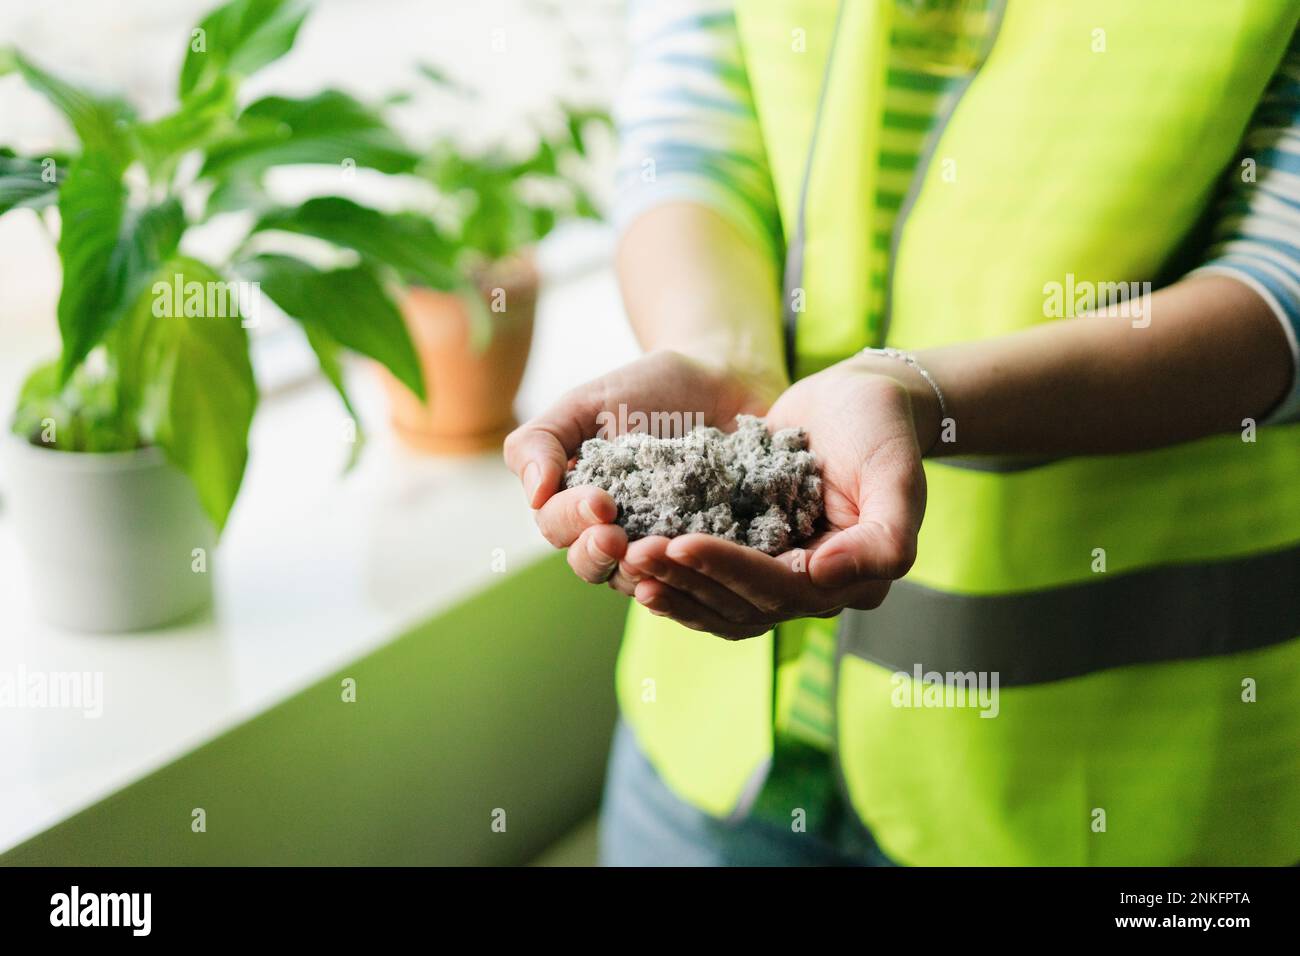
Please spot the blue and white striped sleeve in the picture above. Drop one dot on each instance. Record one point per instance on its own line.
(1257, 236)
(686, 121)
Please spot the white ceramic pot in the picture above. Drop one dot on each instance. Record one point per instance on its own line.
(110, 539)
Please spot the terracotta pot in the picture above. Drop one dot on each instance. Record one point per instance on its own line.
(471, 386)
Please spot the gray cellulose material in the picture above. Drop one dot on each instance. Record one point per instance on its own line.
(748, 486)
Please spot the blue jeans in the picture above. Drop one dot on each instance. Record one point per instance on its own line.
(643, 823)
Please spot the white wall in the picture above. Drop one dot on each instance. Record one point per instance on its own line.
(521, 55)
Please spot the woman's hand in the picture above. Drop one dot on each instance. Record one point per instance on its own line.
(863, 418)
(580, 519)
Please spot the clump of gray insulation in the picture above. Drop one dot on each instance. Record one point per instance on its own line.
(748, 486)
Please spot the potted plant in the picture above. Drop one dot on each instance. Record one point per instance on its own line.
(129, 448)
(496, 205)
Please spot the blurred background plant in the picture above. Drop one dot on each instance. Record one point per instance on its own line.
(135, 370)
(237, 158)
(501, 202)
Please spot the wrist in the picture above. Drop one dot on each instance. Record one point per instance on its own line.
(764, 382)
(923, 394)
(763, 378)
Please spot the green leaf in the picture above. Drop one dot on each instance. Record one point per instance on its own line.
(330, 128)
(237, 192)
(197, 371)
(584, 207)
(92, 206)
(31, 183)
(83, 415)
(100, 121)
(434, 74)
(107, 254)
(41, 384)
(239, 38)
(150, 236)
(577, 122)
(543, 162)
(203, 115)
(328, 354)
(408, 243)
(348, 305)
(439, 77)
(543, 221)
(38, 394)
(574, 124)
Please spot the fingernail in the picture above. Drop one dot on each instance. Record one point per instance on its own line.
(532, 478)
(837, 570)
(588, 513)
(597, 555)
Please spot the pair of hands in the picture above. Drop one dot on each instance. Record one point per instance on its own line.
(862, 424)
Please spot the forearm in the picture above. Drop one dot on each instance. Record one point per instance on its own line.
(1213, 355)
(692, 283)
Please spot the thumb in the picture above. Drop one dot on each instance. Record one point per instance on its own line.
(866, 551)
(891, 503)
(538, 458)
(538, 451)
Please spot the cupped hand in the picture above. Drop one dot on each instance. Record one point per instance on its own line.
(581, 519)
(862, 420)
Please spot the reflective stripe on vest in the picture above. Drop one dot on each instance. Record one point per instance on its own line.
(1173, 613)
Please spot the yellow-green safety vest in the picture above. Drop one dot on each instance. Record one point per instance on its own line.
(1141, 612)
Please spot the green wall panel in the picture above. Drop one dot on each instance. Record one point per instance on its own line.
(503, 703)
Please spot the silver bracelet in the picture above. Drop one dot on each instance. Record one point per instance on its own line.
(907, 358)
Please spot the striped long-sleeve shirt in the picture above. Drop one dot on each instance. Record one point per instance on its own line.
(688, 131)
